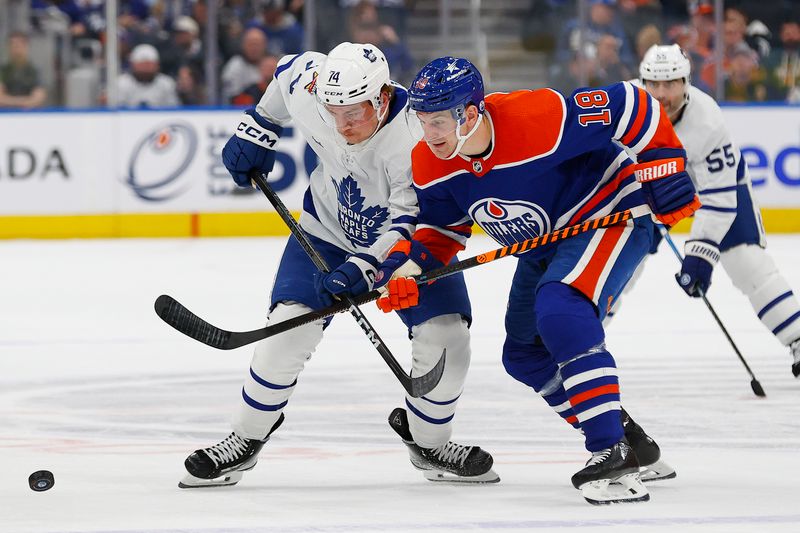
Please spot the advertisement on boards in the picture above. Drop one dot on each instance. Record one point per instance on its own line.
(171, 162)
(54, 164)
(769, 138)
(61, 163)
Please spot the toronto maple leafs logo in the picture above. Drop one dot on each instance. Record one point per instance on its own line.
(361, 225)
(369, 54)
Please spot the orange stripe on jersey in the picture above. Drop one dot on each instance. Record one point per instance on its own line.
(594, 393)
(440, 245)
(586, 282)
(571, 419)
(665, 135)
(601, 195)
(641, 114)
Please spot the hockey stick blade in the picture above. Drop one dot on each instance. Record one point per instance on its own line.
(176, 315)
(179, 317)
(422, 385)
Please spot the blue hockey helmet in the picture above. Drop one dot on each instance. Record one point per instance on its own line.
(446, 83)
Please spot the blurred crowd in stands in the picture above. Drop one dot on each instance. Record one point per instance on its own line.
(163, 46)
(760, 43)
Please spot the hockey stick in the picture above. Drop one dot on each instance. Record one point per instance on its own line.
(758, 390)
(415, 386)
(179, 317)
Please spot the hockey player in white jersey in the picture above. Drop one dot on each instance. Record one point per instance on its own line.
(728, 227)
(358, 205)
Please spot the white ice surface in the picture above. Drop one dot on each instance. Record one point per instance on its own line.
(95, 388)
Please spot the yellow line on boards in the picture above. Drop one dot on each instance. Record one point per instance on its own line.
(228, 225)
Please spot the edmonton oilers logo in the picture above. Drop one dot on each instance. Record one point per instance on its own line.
(159, 160)
(510, 221)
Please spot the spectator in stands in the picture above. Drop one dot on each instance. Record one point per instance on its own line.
(365, 27)
(603, 20)
(251, 95)
(702, 25)
(647, 37)
(783, 63)
(284, 32)
(608, 67)
(145, 86)
(744, 81)
(190, 91)
(183, 48)
(242, 70)
(733, 42)
(20, 87)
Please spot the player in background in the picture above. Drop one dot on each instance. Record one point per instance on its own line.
(526, 163)
(728, 227)
(359, 203)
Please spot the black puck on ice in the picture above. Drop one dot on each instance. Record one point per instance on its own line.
(41, 480)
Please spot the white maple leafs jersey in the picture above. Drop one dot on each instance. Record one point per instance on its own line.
(714, 163)
(360, 196)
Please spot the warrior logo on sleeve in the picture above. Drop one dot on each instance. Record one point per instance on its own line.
(509, 221)
(361, 225)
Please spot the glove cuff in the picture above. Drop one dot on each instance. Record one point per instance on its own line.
(704, 249)
(258, 130)
(368, 266)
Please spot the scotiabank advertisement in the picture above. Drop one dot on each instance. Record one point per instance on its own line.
(55, 163)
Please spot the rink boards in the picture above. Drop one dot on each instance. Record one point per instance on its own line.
(159, 173)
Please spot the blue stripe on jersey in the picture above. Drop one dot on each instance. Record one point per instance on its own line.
(260, 406)
(448, 402)
(718, 190)
(740, 169)
(719, 209)
(308, 204)
(405, 219)
(263, 382)
(786, 322)
(285, 66)
(402, 231)
(398, 102)
(773, 303)
(427, 418)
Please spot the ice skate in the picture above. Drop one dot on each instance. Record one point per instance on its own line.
(611, 476)
(652, 468)
(223, 464)
(450, 462)
(796, 358)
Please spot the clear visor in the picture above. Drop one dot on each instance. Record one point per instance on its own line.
(346, 117)
(438, 126)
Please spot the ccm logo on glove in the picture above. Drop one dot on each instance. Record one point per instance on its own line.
(249, 130)
(657, 169)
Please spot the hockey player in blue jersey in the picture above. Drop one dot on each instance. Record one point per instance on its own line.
(358, 205)
(526, 163)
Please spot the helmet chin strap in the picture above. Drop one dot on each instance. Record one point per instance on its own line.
(465, 138)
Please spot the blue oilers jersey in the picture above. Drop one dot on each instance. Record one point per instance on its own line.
(553, 162)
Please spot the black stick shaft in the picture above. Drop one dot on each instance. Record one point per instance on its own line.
(754, 383)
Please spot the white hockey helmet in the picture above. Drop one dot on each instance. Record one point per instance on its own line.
(664, 63)
(353, 73)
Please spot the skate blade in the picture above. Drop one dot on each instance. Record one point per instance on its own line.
(439, 476)
(191, 482)
(626, 489)
(657, 471)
